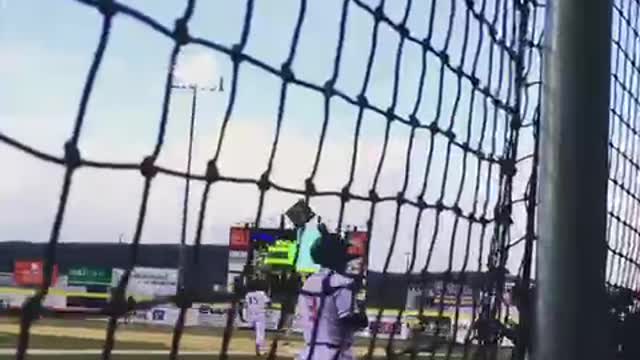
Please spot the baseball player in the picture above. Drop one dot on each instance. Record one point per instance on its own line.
(326, 303)
(256, 301)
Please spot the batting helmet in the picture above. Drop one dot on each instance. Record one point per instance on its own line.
(330, 250)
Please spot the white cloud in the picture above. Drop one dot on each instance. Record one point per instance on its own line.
(10, 60)
(104, 203)
(196, 68)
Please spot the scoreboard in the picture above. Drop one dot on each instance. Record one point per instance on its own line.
(288, 249)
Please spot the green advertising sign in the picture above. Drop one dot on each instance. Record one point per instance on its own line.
(89, 276)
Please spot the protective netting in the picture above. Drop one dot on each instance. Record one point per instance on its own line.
(622, 206)
(471, 138)
(622, 270)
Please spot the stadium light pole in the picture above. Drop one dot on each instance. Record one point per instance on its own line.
(194, 89)
(407, 261)
(570, 304)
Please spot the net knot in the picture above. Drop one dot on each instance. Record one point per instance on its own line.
(457, 210)
(309, 186)
(389, 114)
(212, 174)
(71, 155)
(264, 184)
(493, 32)
(378, 13)
(148, 167)
(503, 214)
(433, 127)
(422, 204)
(236, 53)
(475, 81)
(486, 91)
(439, 206)
(400, 199)
(363, 101)
(444, 57)
(181, 32)
(373, 195)
(403, 30)
(106, 8)
(413, 121)
(498, 103)
(328, 88)
(449, 134)
(426, 44)
(345, 195)
(508, 167)
(287, 73)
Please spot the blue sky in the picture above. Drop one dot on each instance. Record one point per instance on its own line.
(45, 51)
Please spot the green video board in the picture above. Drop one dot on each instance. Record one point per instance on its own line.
(85, 275)
(282, 253)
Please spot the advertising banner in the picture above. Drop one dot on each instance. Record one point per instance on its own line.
(239, 239)
(17, 300)
(31, 273)
(85, 275)
(358, 242)
(239, 255)
(165, 315)
(386, 326)
(216, 316)
(146, 281)
(212, 316)
(6, 279)
(11, 301)
(236, 265)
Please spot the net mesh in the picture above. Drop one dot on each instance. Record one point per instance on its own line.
(622, 264)
(622, 205)
(475, 107)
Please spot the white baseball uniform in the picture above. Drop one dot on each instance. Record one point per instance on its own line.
(256, 302)
(332, 341)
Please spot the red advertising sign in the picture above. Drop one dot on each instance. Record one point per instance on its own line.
(358, 241)
(239, 239)
(32, 273)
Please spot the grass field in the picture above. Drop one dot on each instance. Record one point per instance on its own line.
(83, 340)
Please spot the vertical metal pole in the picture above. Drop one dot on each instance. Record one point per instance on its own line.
(571, 251)
(185, 209)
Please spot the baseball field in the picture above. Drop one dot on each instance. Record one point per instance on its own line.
(54, 339)
(83, 340)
